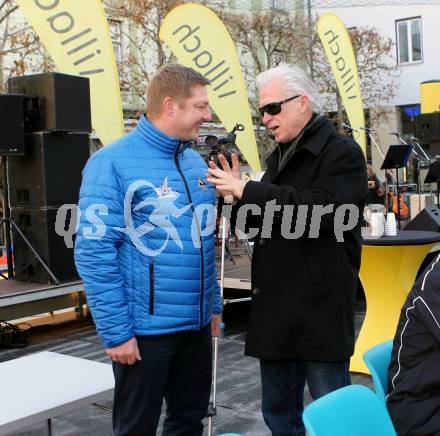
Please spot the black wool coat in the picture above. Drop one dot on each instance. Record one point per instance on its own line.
(304, 288)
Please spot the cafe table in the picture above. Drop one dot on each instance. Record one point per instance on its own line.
(389, 266)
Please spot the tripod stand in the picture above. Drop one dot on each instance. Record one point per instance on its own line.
(7, 221)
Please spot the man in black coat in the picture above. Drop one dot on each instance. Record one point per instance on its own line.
(414, 374)
(304, 265)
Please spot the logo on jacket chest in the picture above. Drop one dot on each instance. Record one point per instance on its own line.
(202, 184)
(165, 192)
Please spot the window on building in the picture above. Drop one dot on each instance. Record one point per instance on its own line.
(409, 40)
(277, 4)
(408, 115)
(116, 34)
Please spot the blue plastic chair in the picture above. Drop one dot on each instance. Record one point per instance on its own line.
(351, 411)
(378, 360)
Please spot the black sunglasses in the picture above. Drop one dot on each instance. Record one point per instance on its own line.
(275, 108)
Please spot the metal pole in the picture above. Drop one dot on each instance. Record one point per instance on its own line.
(214, 375)
(43, 264)
(309, 20)
(398, 199)
(49, 427)
(7, 220)
(419, 184)
(237, 300)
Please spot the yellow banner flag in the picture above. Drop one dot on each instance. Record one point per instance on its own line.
(77, 37)
(200, 40)
(339, 50)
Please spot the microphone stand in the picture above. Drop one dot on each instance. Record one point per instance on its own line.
(212, 407)
(378, 147)
(379, 150)
(419, 182)
(419, 158)
(416, 141)
(427, 161)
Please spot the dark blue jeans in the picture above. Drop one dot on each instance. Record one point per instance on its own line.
(176, 367)
(283, 384)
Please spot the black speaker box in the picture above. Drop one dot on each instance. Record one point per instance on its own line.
(432, 148)
(11, 124)
(49, 174)
(63, 102)
(38, 225)
(428, 219)
(428, 127)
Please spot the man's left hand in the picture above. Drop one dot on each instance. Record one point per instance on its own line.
(226, 182)
(215, 325)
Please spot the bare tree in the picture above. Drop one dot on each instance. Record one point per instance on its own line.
(21, 51)
(147, 52)
(377, 73)
(265, 39)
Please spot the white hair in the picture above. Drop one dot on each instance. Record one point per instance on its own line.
(296, 81)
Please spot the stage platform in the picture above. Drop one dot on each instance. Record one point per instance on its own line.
(237, 268)
(20, 299)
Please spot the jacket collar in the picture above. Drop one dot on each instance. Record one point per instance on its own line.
(316, 134)
(150, 134)
(314, 137)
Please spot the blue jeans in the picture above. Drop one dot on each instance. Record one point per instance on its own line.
(282, 384)
(176, 367)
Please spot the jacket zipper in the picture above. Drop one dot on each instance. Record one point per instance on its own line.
(151, 288)
(188, 193)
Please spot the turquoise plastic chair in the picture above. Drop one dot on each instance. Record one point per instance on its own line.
(351, 411)
(378, 360)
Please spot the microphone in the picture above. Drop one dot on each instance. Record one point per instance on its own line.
(346, 126)
(397, 135)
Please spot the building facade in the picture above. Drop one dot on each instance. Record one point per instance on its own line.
(413, 27)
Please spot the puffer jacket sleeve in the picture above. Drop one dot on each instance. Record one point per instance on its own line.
(96, 249)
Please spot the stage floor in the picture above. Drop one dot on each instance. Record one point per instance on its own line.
(238, 387)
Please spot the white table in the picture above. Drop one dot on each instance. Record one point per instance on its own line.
(41, 386)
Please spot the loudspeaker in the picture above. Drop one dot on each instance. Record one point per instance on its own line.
(425, 200)
(57, 102)
(428, 127)
(38, 225)
(49, 174)
(11, 124)
(428, 219)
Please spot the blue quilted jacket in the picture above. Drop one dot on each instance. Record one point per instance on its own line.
(145, 243)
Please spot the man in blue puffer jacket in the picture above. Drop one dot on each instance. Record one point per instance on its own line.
(145, 251)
